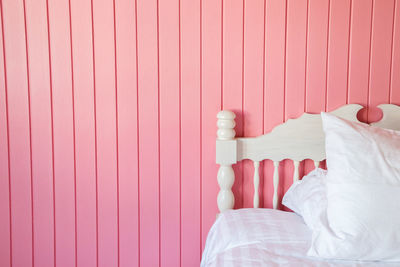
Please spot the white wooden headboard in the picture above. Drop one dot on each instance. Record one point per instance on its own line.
(296, 139)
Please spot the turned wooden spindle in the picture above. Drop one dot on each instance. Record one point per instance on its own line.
(256, 198)
(227, 154)
(296, 171)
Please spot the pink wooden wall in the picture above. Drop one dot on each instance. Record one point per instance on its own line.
(107, 113)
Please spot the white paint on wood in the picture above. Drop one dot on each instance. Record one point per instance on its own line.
(296, 171)
(226, 152)
(390, 118)
(226, 178)
(226, 124)
(297, 139)
(316, 163)
(256, 199)
(226, 156)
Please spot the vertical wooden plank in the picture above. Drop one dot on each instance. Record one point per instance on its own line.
(148, 132)
(360, 34)
(5, 233)
(395, 78)
(19, 132)
(338, 51)
(297, 12)
(63, 130)
(316, 58)
(338, 58)
(296, 45)
(83, 84)
(190, 132)
(318, 13)
(253, 84)
(381, 47)
(211, 63)
(105, 104)
(125, 15)
(41, 132)
(232, 78)
(169, 133)
(274, 96)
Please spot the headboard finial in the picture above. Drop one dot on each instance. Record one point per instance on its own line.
(226, 124)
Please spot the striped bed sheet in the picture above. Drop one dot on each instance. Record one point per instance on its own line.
(264, 237)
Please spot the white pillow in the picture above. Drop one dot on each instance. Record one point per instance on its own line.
(362, 220)
(307, 197)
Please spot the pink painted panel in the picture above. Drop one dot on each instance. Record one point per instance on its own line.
(19, 132)
(232, 77)
(395, 64)
(211, 86)
(63, 131)
(190, 132)
(316, 57)
(296, 36)
(126, 63)
(5, 230)
(338, 54)
(253, 84)
(317, 51)
(360, 35)
(148, 93)
(170, 208)
(381, 53)
(41, 132)
(105, 108)
(275, 63)
(274, 87)
(84, 115)
(122, 96)
(295, 79)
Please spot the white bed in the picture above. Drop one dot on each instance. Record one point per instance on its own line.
(269, 237)
(264, 237)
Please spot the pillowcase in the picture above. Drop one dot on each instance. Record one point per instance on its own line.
(362, 219)
(307, 197)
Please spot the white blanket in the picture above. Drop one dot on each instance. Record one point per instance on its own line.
(264, 237)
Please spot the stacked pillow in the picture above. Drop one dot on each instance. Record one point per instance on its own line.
(360, 219)
(307, 197)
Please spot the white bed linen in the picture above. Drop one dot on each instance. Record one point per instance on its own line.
(264, 237)
(362, 193)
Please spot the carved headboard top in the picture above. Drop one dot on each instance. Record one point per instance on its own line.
(296, 139)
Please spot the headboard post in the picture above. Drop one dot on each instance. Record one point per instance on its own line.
(226, 156)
